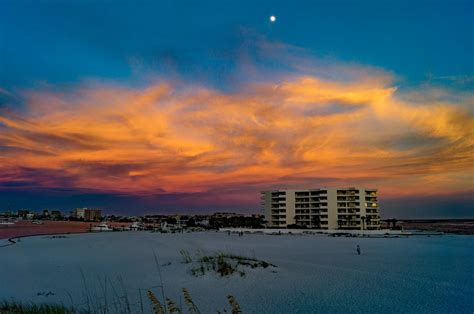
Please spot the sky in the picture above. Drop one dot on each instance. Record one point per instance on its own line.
(195, 106)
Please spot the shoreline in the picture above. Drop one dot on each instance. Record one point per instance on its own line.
(23, 229)
(26, 228)
(12, 239)
(353, 233)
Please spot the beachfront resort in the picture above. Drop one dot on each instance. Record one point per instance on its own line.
(322, 208)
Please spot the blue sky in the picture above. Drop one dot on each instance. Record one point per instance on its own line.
(68, 41)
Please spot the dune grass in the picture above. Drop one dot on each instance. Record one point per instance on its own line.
(31, 308)
(166, 307)
(112, 297)
(192, 308)
(224, 264)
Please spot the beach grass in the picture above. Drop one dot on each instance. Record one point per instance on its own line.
(31, 308)
(113, 297)
(226, 264)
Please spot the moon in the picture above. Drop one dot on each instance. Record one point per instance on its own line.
(272, 18)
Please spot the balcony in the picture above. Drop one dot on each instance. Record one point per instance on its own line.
(302, 194)
(302, 211)
(301, 201)
(373, 223)
(300, 205)
(281, 206)
(373, 217)
(347, 192)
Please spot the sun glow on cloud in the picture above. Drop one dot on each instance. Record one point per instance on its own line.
(294, 130)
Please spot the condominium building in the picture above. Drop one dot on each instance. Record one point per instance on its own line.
(87, 214)
(323, 208)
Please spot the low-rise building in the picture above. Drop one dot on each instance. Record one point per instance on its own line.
(78, 213)
(56, 214)
(87, 214)
(92, 214)
(322, 208)
(226, 215)
(22, 213)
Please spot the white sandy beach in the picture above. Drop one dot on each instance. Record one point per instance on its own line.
(314, 274)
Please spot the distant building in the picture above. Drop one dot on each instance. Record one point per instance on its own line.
(202, 220)
(92, 214)
(155, 218)
(45, 213)
(7, 213)
(56, 214)
(325, 208)
(78, 213)
(23, 213)
(176, 220)
(87, 214)
(226, 215)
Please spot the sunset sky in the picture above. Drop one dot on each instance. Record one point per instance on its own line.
(195, 106)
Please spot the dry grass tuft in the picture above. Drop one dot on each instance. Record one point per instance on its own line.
(172, 307)
(186, 257)
(192, 308)
(226, 264)
(234, 304)
(27, 308)
(157, 307)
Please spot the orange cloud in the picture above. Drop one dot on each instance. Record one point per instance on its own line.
(290, 131)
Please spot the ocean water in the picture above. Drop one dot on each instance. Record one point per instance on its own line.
(314, 274)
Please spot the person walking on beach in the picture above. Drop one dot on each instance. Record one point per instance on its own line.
(358, 249)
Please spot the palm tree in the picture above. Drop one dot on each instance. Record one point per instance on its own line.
(314, 220)
(362, 218)
(368, 219)
(318, 222)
